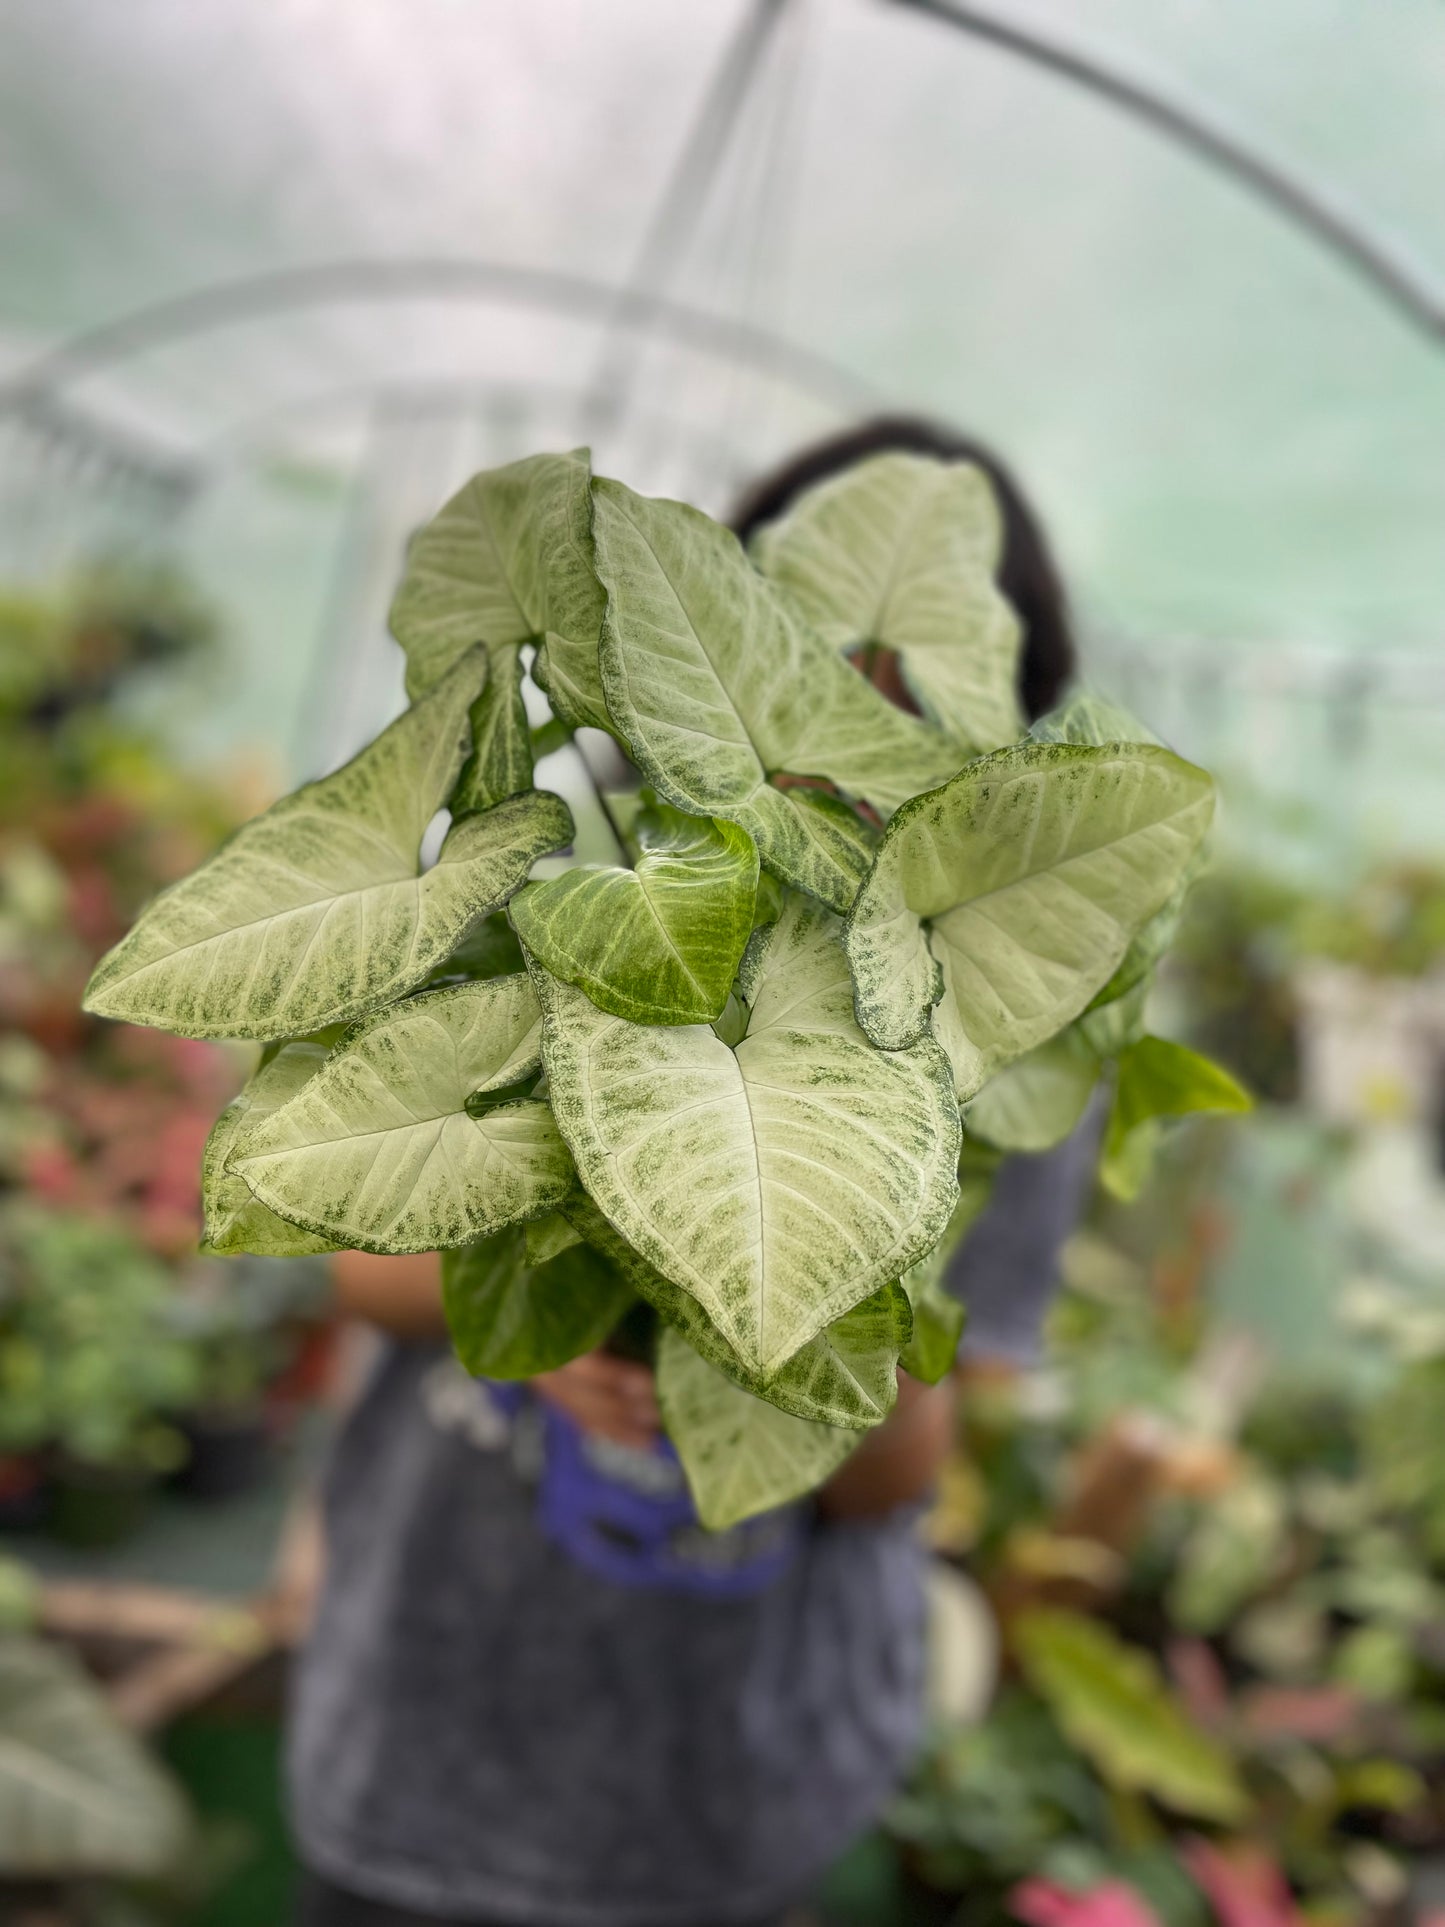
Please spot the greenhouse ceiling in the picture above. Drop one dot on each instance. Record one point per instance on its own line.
(1237, 438)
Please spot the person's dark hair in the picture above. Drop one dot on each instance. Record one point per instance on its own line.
(1027, 574)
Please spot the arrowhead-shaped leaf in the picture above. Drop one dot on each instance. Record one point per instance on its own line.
(386, 1147)
(901, 552)
(741, 1455)
(1088, 718)
(314, 913)
(845, 1376)
(235, 1218)
(717, 684)
(780, 1182)
(1032, 870)
(1034, 1103)
(659, 944)
(500, 764)
(509, 560)
(527, 1301)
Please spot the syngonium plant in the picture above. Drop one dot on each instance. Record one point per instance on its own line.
(755, 1074)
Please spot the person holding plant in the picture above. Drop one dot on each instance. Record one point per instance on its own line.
(537, 1692)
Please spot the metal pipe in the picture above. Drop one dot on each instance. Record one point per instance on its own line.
(1378, 261)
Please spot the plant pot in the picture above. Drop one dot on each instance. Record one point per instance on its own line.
(228, 1452)
(24, 1491)
(97, 1505)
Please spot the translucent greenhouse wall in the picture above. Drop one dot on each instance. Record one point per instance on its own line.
(1234, 440)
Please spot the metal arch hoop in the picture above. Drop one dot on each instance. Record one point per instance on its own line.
(438, 395)
(276, 291)
(1387, 269)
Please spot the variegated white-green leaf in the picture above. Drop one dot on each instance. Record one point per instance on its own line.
(781, 1181)
(235, 1218)
(1033, 1103)
(500, 764)
(818, 843)
(659, 944)
(1032, 870)
(741, 1455)
(846, 1376)
(512, 1314)
(1149, 944)
(717, 684)
(509, 560)
(387, 1147)
(315, 913)
(1087, 718)
(901, 552)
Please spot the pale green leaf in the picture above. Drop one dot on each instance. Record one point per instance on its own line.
(741, 1455)
(781, 1181)
(1136, 969)
(509, 560)
(901, 552)
(717, 685)
(846, 1375)
(1032, 870)
(659, 944)
(818, 843)
(315, 913)
(1087, 718)
(80, 1797)
(235, 1218)
(1113, 1704)
(382, 1149)
(512, 1314)
(500, 764)
(1033, 1103)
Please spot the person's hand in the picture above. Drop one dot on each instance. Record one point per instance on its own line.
(612, 1397)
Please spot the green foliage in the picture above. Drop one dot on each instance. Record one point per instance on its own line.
(745, 1115)
(1111, 1701)
(90, 1359)
(1008, 897)
(900, 553)
(1157, 1079)
(658, 944)
(529, 1298)
(80, 1797)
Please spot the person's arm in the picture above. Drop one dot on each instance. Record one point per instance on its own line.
(616, 1397)
(898, 1462)
(403, 1298)
(400, 1296)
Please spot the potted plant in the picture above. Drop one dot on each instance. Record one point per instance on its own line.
(731, 1073)
(91, 1372)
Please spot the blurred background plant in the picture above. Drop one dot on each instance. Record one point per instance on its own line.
(1210, 1527)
